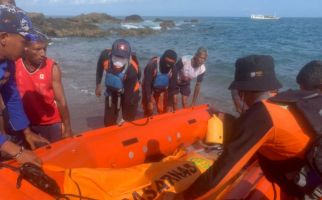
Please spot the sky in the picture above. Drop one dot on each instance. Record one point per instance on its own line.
(202, 8)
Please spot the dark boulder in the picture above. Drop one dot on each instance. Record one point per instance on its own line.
(167, 24)
(96, 18)
(134, 19)
(158, 20)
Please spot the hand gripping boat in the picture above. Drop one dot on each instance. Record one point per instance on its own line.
(129, 145)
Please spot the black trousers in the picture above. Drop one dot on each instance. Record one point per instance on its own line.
(128, 103)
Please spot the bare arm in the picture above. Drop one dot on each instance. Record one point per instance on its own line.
(61, 100)
(196, 93)
(197, 88)
(102, 61)
(20, 154)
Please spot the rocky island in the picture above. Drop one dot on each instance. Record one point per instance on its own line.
(90, 25)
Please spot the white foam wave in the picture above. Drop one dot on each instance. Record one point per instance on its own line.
(156, 27)
(145, 24)
(131, 26)
(87, 92)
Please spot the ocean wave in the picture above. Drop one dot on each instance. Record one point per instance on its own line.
(85, 91)
(142, 25)
(131, 26)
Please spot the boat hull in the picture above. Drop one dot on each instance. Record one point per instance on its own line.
(114, 147)
(129, 145)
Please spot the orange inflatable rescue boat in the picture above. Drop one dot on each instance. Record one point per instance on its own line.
(132, 152)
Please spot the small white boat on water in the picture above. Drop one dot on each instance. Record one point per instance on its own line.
(264, 17)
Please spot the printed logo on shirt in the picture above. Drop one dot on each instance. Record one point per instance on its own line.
(42, 76)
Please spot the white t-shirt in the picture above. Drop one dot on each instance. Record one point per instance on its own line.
(188, 72)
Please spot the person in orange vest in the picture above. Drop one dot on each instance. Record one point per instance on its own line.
(14, 27)
(271, 130)
(39, 83)
(310, 76)
(157, 75)
(122, 81)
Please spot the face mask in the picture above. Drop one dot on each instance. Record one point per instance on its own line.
(119, 62)
(239, 102)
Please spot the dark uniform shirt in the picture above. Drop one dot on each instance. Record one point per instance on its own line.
(266, 128)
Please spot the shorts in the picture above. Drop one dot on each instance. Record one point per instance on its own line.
(184, 90)
(52, 132)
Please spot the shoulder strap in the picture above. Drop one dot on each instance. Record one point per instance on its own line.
(307, 103)
(106, 62)
(292, 96)
(135, 63)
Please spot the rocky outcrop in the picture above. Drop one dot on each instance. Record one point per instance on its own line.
(65, 27)
(132, 32)
(192, 21)
(95, 18)
(133, 19)
(158, 20)
(166, 24)
(90, 25)
(38, 19)
(11, 2)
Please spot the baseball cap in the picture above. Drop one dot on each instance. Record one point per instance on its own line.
(14, 20)
(37, 36)
(121, 48)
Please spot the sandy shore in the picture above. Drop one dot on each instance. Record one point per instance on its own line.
(86, 111)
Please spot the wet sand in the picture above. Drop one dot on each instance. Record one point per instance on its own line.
(86, 111)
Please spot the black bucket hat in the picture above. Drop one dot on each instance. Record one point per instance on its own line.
(255, 73)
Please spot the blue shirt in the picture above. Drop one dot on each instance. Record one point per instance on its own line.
(12, 100)
(3, 138)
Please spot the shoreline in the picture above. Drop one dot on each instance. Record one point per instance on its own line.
(86, 111)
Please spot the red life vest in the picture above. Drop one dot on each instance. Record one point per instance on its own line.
(37, 93)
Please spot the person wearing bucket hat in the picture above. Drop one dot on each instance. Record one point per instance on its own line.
(122, 81)
(255, 73)
(267, 128)
(14, 27)
(45, 106)
(157, 75)
(249, 76)
(310, 76)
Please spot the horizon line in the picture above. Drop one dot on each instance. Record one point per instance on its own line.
(182, 16)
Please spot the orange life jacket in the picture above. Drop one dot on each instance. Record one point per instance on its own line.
(289, 137)
(133, 61)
